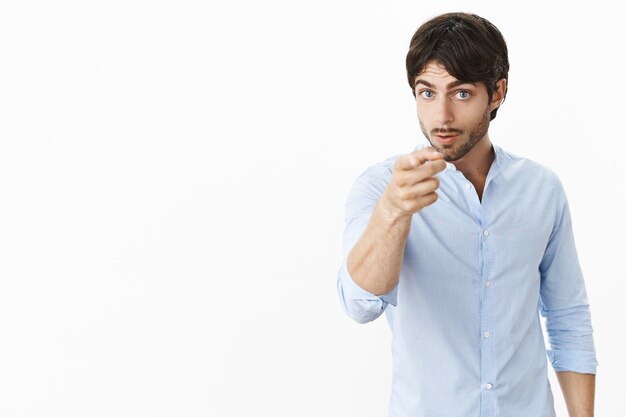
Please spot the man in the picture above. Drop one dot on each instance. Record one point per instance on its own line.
(463, 245)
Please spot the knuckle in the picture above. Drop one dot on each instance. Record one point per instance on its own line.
(402, 194)
(409, 205)
(428, 199)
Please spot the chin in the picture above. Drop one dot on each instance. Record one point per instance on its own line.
(450, 157)
(448, 151)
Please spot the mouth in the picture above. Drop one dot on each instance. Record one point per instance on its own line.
(446, 140)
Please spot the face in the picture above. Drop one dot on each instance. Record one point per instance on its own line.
(454, 115)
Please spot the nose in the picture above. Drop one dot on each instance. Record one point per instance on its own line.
(443, 112)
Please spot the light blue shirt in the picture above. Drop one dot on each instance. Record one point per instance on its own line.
(464, 317)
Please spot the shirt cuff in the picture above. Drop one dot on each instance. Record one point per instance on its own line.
(581, 361)
(352, 290)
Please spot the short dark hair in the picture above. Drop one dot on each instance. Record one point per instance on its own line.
(470, 48)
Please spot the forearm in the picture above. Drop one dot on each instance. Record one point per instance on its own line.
(375, 261)
(578, 392)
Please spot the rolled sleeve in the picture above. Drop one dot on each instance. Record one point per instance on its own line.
(359, 304)
(581, 361)
(563, 300)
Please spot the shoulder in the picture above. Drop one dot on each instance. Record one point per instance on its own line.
(533, 174)
(381, 170)
(372, 182)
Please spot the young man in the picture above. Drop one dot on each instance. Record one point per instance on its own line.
(463, 245)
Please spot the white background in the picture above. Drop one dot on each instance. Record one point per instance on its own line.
(172, 186)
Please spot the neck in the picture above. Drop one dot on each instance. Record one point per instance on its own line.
(476, 163)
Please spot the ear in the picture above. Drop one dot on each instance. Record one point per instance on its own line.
(498, 94)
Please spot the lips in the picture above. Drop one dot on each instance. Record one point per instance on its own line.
(446, 139)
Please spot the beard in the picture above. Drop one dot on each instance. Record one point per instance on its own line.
(476, 133)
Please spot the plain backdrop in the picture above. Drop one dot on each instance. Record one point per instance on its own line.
(172, 186)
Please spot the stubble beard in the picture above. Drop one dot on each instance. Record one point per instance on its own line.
(476, 133)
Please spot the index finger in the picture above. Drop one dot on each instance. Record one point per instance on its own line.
(419, 157)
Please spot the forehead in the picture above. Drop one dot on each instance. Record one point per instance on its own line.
(435, 70)
(435, 75)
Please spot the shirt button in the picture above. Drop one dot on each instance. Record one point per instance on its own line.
(487, 283)
(486, 334)
(488, 386)
(486, 233)
(468, 186)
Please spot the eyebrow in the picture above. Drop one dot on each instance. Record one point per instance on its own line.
(449, 86)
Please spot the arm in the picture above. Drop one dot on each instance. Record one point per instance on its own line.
(578, 392)
(376, 259)
(378, 220)
(564, 304)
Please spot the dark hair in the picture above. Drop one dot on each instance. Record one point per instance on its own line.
(470, 48)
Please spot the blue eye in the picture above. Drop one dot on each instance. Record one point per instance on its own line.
(464, 94)
(427, 94)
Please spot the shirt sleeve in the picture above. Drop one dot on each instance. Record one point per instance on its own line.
(359, 304)
(563, 299)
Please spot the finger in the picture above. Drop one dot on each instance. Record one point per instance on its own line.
(424, 187)
(406, 162)
(429, 199)
(418, 202)
(417, 158)
(426, 154)
(433, 167)
(422, 172)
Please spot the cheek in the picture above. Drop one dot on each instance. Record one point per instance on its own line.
(470, 115)
(423, 124)
(423, 114)
(424, 128)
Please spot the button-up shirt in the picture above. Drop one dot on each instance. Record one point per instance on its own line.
(476, 277)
